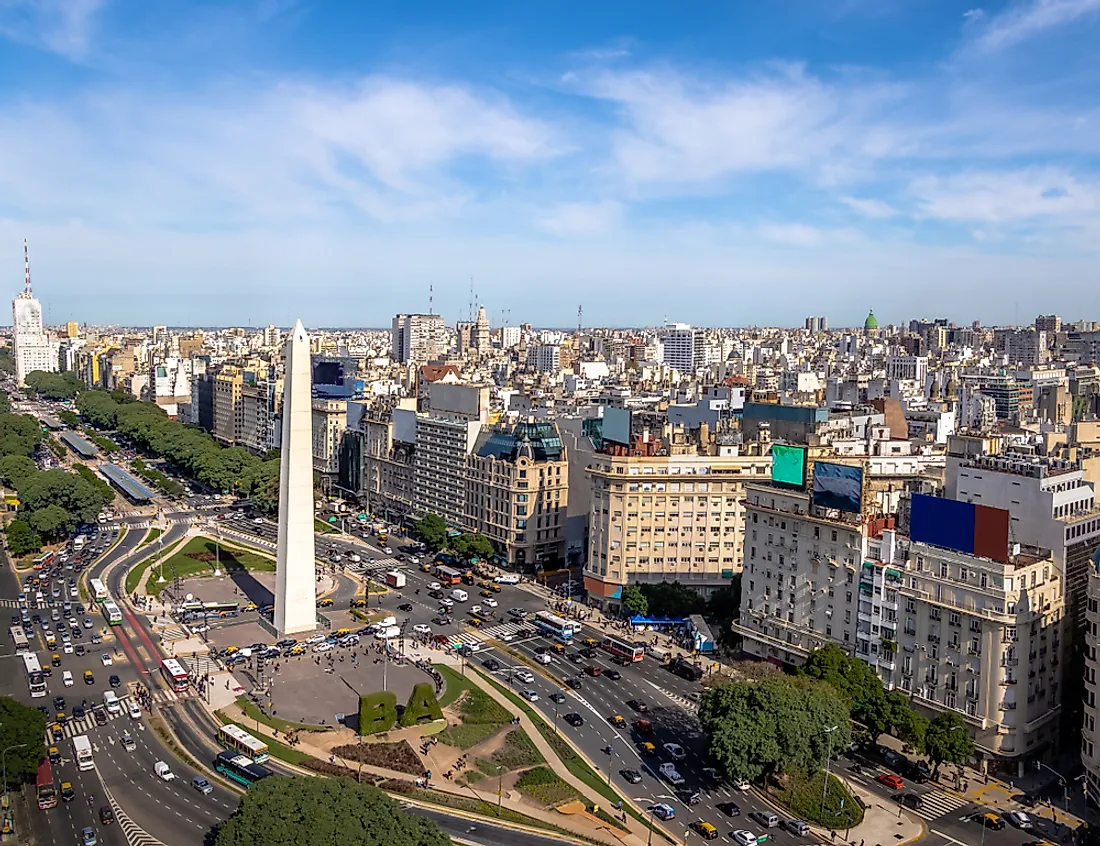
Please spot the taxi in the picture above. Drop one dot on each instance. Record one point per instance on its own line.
(299, 649)
(57, 733)
(704, 829)
(617, 720)
(590, 641)
(343, 632)
(324, 603)
(990, 820)
(359, 603)
(494, 587)
(231, 650)
(67, 792)
(251, 606)
(476, 622)
(61, 718)
(89, 677)
(647, 748)
(486, 593)
(425, 567)
(54, 755)
(559, 648)
(55, 659)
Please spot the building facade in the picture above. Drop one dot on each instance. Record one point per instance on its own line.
(443, 447)
(683, 347)
(329, 422)
(417, 338)
(32, 348)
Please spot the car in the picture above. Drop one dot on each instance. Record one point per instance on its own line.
(909, 800)
(730, 809)
(442, 621)
(202, 785)
(486, 593)
(106, 659)
(689, 796)
(574, 683)
(474, 609)
(989, 820)
(530, 695)
(59, 702)
(743, 838)
(593, 670)
(704, 829)
(490, 602)
(324, 646)
(115, 681)
(1020, 820)
(675, 751)
(666, 812)
(67, 678)
(525, 677)
(106, 815)
(557, 697)
(100, 716)
(134, 710)
(88, 837)
(614, 675)
(638, 705)
(67, 647)
(97, 639)
(491, 664)
(128, 742)
(671, 774)
(631, 776)
(434, 586)
(764, 818)
(89, 677)
(78, 712)
(67, 792)
(892, 781)
(575, 720)
(447, 602)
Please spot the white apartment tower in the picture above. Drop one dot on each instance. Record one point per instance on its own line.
(417, 338)
(32, 348)
(683, 347)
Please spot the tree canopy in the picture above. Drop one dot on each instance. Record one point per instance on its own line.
(22, 539)
(98, 408)
(470, 546)
(21, 724)
(432, 530)
(775, 725)
(634, 600)
(19, 434)
(5, 403)
(948, 740)
(672, 599)
(15, 470)
(54, 386)
(75, 494)
(278, 811)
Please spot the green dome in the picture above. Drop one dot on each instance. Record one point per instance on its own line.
(871, 322)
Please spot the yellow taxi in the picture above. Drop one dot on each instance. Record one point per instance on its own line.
(990, 820)
(647, 748)
(704, 829)
(494, 587)
(476, 622)
(359, 603)
(299, 649)
(251, 606)
(343, 632)
(324, 603)
(57, 733)
(590, 641)
(617, 720)
(55, 659)
(89, 677)
(425, 567)
(559, 648)
(486, 593)
(54, 755)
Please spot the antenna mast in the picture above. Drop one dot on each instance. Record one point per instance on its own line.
(580, 315)
(470, 316)
(27, 269)
(431, 299)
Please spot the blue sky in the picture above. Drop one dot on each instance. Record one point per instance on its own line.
(719, 163)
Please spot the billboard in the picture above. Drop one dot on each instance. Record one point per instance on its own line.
(962, 526)
(616, 425)
(838, 486)
(789, 465)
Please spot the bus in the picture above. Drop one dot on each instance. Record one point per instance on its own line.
(82, 752)
(43, 559)
(99, 590)
(111, 613)
(175, 675)
(44, 785)
(552, 624)
(202, 610)
(35, 680)
(625, 649)
(448, 575)
(236, 739)
(240, 768)
(19, 638)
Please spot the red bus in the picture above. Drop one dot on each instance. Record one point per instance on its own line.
(624, 649)
(175, 675)
(45, 788)
(448, 575)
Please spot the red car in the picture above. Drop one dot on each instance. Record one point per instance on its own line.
(892, 781)
(593, 670)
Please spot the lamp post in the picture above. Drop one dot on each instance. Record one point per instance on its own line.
(610, 754)
(1039, 765)
(828, 754)
(4, 759)
(500, 786)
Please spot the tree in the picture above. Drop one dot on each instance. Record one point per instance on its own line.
(21, 724)
(672, 599)
(470, 546)
(79, 497)
(19, 434)
(55, 386)
(98, 409)
(432, 530)
(280, 811)
(779, 724)
(22, 539)
(948, 739)
(53, 522)
(5, 403)
(69, 418)
(908, 724)
(634, 600)
(853, 679)
(16, 470)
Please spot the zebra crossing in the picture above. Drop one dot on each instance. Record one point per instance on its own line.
(934, 803)
(506, 631)
(201, 665)
(9, 603)
(73, 727)
(378, 565)
(173, 633)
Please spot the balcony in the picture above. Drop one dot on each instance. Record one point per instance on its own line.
(1010, 662)
(1006, 682)
(1008, 706)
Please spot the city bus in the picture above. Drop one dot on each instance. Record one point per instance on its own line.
(82, 752)
(236, 739)
(111, 613)
(552, 624)
(175, 675)
(43, 559)
(35, 680)
(44, 785)
(98, 590)
(625, 649)
(448, 575)
(19, 638)
(240, 768)
(202, 610)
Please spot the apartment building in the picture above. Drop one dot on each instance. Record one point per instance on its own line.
(261, 407)
(671, 517)
(1090, 739)
(443, 446)
(417, 338)
(227, 411)
(517, 493)
(329, 422)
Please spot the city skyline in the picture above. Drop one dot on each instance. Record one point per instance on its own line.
(250, 153)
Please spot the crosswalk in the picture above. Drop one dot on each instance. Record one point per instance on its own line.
(173, 633)
(934, 803)
(201, 664)
(9, 603)
(79, 726)
(378, 565)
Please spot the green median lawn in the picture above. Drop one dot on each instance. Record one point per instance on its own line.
(199, 555)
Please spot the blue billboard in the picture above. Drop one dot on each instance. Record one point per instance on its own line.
(838, 486)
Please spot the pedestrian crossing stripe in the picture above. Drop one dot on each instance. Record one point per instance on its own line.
(73, 726)
(937, 804)
(9, 603)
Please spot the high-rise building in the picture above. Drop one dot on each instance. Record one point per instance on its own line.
(272, 336)
(443, 445)
(295, 577)
(417, 338)
(683, 347)
(914, 367)
(480, 339)
(72, 329)
(32, 348)
(228, 412)
(329, 422)
(545, 358)
(1049, 323)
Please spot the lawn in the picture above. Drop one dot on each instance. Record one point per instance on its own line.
(198, 556)
(465, 736)
(803, 795)
(517, 752)
(481, 715)
(323, 527)
(486, 809)
(256, 715)
(151, 536)
(543, 785)
(456, 684)
(133, 577)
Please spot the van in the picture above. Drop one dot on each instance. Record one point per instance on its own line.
(657, 653)
(459, 595)
(386, 622)
(163, 771)
(67, 678)
(111, 703)
(388, 633)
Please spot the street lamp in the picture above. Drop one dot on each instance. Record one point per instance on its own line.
(500, 786)
(652, 800)
(1039, 765)
(828, 754)
(4, 760)
(610, 754)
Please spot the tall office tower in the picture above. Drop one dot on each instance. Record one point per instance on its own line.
(272, 336)
(72, 329)
(480, 340)
(683, 347)
(32, 347)
(295, 579)
(417, 338)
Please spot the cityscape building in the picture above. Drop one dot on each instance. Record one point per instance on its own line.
(32, 348)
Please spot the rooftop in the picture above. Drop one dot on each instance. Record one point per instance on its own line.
(82, 447)
(126, 483)
(538, 440)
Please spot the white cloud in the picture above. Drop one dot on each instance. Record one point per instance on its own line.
(60, 26)
(1028, 19)
(583, 219)
(869, 207)
(804, 235)
(1042, 195)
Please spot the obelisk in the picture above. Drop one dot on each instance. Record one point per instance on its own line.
(295, 580)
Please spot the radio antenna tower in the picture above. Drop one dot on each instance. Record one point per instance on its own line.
(27, 270)
(431, 299)
(580, 315)
(470, 316)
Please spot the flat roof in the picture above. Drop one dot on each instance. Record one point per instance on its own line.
(51, 422)
(83, 446)
(126, 482)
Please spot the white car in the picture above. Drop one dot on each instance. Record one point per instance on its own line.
(670, 774)
(490, 603)
(420, 628)
(259, 521)
(200, 629)
(530, 695)
(525, 677)
(544, 658)
(106, 659)
(475, 609)
(675, 751)
(134, 710)
(507, 579)
(317, 638)
(67, 678)
(322, 647)
(435, 586)
(67, 648)
(1020, 820)
(508, 637)
(355, 559)
(447, 602)
(743, 838)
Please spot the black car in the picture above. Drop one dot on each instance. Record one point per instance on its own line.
(405, 606)
(577, 658)
(574, 683)
(574, 719)
(909, 800)
(440, 620)
(919, 771)
(614, 675)
(491, 664)
(285, 642)
(631, 776)
(435, 594)
(59, 703)
(100, 717)
(638, 705)
(730, 809)
(588, 652)
(689, 796)
(78, 712)
(557, 697)
(115, 681)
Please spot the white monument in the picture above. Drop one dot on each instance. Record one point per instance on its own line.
(295, 579)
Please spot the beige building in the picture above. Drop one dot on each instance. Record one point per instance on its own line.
(517, 493)
(329, 422)
(671, 517)
(228, 383)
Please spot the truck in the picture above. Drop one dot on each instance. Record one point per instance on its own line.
(395, 579)
(163, 771)
(670, 774)
(459, 595)
(686, 670)
(82, 752)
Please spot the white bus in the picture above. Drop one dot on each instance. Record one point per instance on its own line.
(175, 675)
(111, 613)
(82, 752)
(552, 624)
(19, 638)
(238, 740)
(35, 680)
(99, 590)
